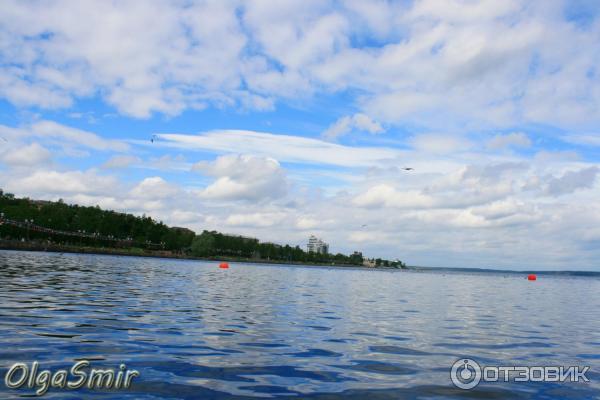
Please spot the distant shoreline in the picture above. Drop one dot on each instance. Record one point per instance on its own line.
(502, 271)
(57, 248)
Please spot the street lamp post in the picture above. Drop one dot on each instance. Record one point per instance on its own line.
(28, 222)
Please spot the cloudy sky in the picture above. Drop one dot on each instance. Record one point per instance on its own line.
(283, 119)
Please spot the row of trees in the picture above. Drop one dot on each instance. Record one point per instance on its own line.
(124, 229)
(92, 226)
(212, 244)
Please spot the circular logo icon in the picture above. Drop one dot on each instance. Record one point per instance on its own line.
(465, 373)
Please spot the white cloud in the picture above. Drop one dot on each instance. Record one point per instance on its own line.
(586, 139)
(51, 129)
(467, 187)
(185, 218)
(571, 181)
(121, 161)
(169, 162)
(61, 135)
(503, 209)
(26, 155)
(306, 223)
(362, 237)
(285, 148)
(387, 196)
(255, 219)
(53, 183)
(425, 63)
(459, 11)
(243, 177)
(514, 139)
(154, 187)
(345, 125)
(82, 49)
(455, 216)
(440, 143)
(434, 72)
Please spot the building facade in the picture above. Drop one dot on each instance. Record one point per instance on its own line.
(316, 245)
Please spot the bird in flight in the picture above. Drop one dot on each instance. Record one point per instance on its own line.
(153, 138)
(408, 168)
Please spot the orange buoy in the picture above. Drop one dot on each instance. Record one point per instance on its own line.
(224, 265)
(531, 277)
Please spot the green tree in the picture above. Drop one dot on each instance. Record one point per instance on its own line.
(203, 245)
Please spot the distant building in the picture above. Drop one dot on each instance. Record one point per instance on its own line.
(316, 245)
(369, 262)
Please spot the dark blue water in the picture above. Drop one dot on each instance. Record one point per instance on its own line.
(196, 331)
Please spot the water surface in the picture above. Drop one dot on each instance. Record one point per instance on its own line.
(196, 331)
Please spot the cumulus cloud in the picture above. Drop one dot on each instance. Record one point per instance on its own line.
(26, 155)
(469, 213)
(243, 177)
(383, 195)
(468, 186)
(52, 183)
(306, 223)
(83, 49)
(255, 219)
(440, 76)
(347, 124)
(502, 209)
(154, 187)
(360, 238)
(482, 62)
(490, 173)
(571, 181)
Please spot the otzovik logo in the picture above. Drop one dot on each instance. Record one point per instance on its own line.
(467, 373)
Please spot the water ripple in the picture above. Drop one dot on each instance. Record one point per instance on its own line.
(195, 331)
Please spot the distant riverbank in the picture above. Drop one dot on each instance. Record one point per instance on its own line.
(55, 226)
(137, 252)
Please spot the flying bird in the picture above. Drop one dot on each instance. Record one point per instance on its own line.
(153, 138)
(408, 168)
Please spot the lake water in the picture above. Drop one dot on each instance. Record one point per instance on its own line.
(193, 330)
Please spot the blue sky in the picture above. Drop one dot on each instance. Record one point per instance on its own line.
(281, 120)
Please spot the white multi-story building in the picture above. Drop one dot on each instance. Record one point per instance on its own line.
(316, 245)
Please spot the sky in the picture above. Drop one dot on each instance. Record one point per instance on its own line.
(283, 119)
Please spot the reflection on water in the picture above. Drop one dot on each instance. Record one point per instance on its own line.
(196, 331)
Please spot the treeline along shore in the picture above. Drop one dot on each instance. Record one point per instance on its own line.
(27, 224)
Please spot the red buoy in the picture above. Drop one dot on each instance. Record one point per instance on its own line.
(531, 277)
(224, 265)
